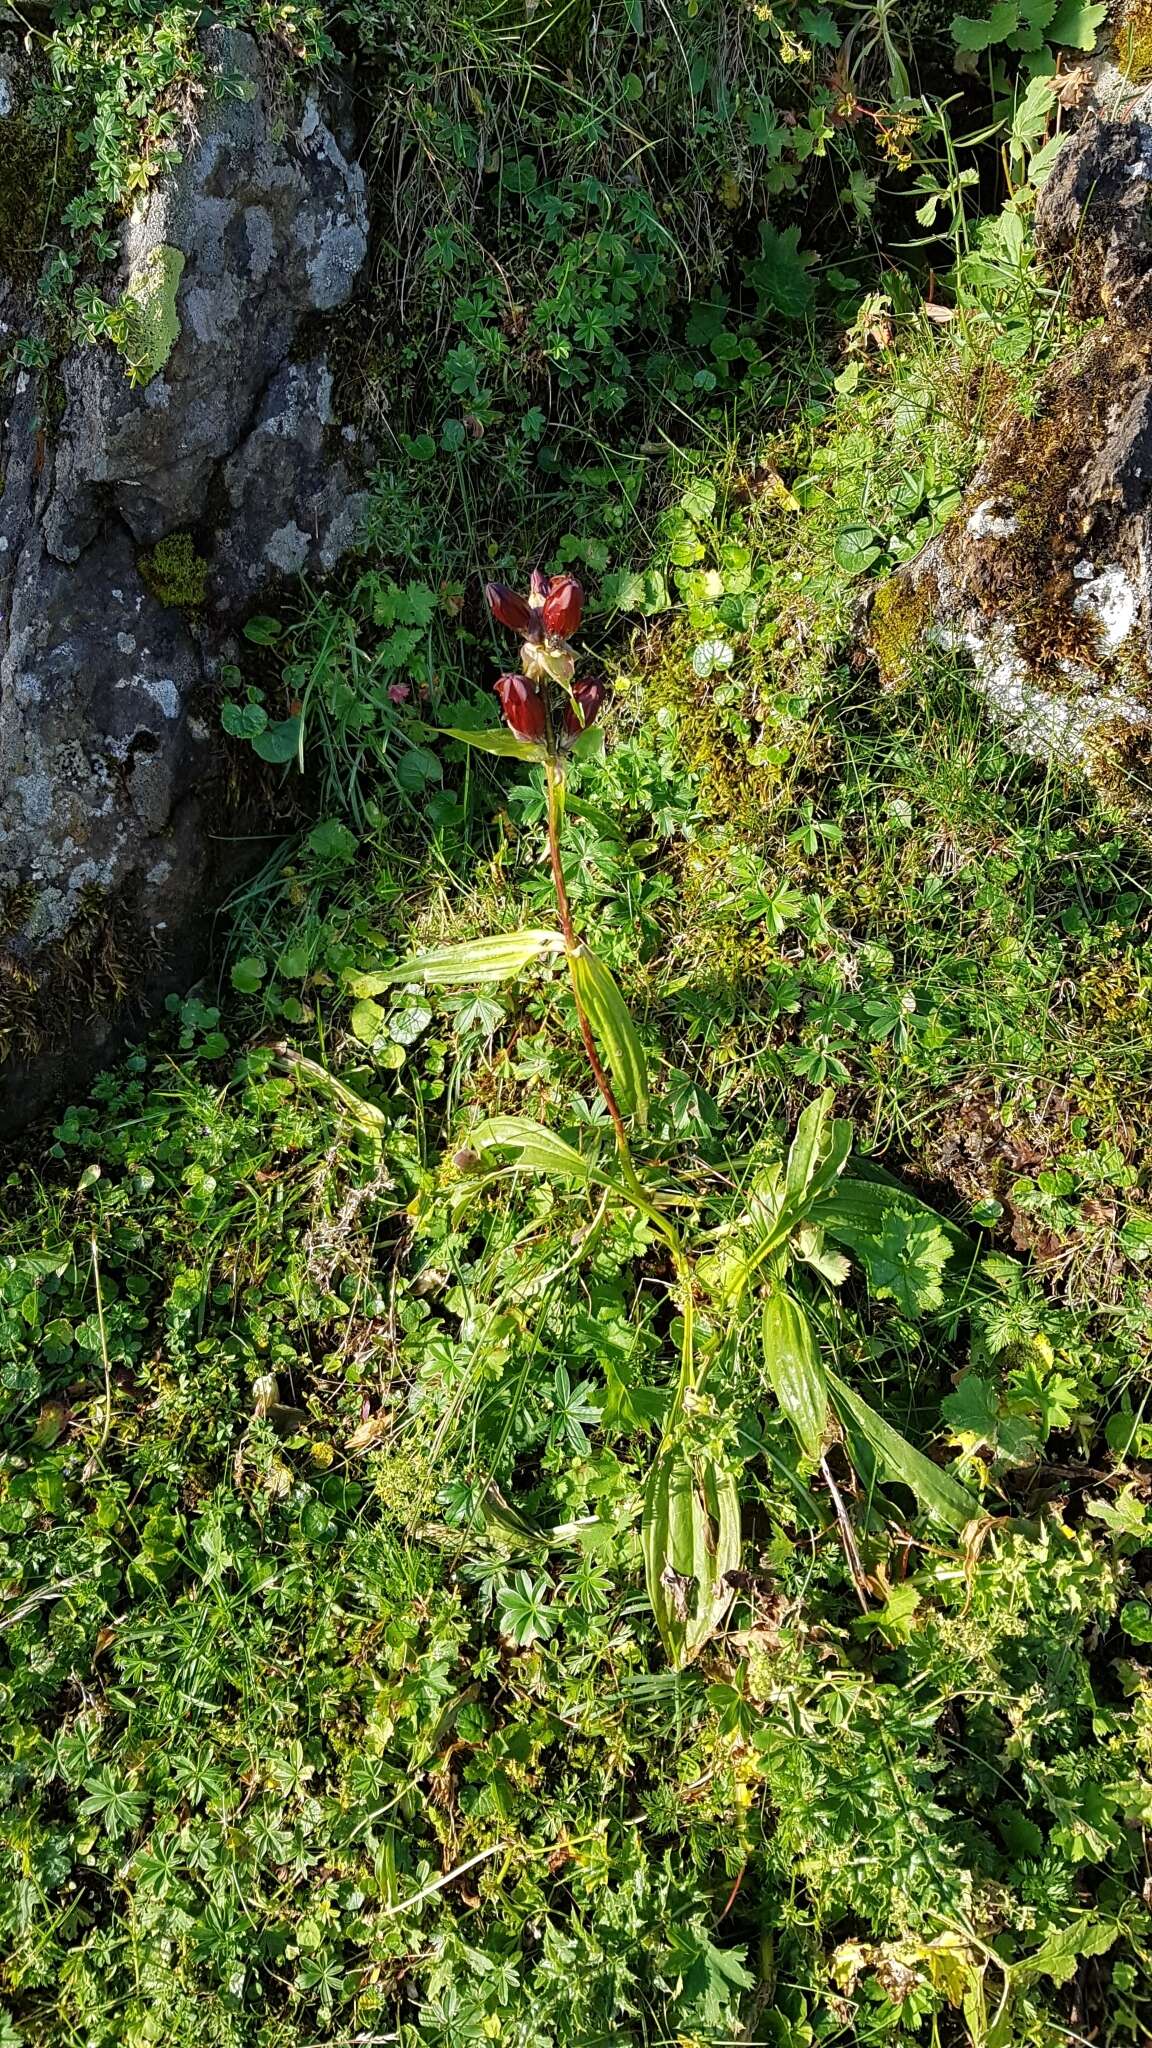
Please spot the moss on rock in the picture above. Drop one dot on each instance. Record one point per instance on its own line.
(1034, 526)
(901, 612)
(1132, 38)
(1119, 765)
(175, 573)
(87, 973)
(150, 321)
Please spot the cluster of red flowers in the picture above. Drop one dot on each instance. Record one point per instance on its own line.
(546, 619)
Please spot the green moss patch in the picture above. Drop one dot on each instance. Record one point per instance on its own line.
(900, 613)
(151, 323)
(175, 574)
(1133, 41)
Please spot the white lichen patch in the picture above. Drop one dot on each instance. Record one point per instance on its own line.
(162, 691)
(1050, 725)
(1109, 599)
(990, 521)
(287, 549)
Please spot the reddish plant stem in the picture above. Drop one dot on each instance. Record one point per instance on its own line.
(571, 943)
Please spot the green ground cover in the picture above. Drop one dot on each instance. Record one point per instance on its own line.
(333, 1703)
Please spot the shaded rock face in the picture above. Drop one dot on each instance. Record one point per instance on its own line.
(1043, 580)
(1093, 215)
(106, 726)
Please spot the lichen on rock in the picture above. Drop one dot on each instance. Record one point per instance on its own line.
(1042, 581)
(151, 321)
(126, 557)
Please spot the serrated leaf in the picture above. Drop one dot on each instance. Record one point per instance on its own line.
(820, 27)
(976, 1417)
(972, 1412)
(495, 739)
(520, 175)
(463, 966)
(905, 1261)
(940, 1496)
(970, 34)
(795, 1371)
(627, 590)
(1062, 1950)
(613, 1030)
(690, 1537)
(248, 973)
(853, 1212)
(1074, 25)
(780, 275)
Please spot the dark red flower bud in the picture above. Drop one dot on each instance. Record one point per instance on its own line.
(584, 712)
(509, 607)
(563, 606)
(523, 709)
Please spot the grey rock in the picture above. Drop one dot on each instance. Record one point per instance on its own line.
(271, 228)
(1094, 220)
(1042, 582)
(106, 758)
(288, 459)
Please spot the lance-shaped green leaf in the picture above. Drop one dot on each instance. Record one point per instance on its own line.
(475, 961)
(816, 1156)
(495, 739)
(536, 1149)
(613, 1030)
(939, 1495)
(691, 1541)
(816, 1159)
(795, 1370)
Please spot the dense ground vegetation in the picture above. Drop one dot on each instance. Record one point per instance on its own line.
(333, 1706)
